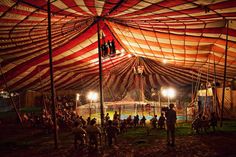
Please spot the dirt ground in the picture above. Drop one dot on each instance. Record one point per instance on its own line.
(25, 142)
(217, 145)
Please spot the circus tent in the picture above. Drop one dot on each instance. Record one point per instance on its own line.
(191, 36)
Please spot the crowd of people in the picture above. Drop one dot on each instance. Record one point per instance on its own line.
(65, 115)
(91, 134)
(87, 132)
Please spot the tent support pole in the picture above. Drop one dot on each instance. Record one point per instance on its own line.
(100, 74)
(225, 68)
(53, 98)
(11, 99)
(215, 90)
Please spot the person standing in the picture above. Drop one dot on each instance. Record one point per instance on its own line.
(107, 117)
(170, 122)
(79, 134)
(93, 132)
(111, 132)
(161, 121)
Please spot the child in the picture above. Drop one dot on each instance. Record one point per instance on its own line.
(161, 121)
(154, 122)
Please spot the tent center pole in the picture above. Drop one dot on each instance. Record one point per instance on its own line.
(53, 97)
(100, 73)
(225, 68)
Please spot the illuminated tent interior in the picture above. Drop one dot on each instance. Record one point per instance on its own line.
(192, 37)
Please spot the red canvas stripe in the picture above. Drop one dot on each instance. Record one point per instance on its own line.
(223, 5)
(125, 6)
(71, 4)
(28, 86)
(32, 62)
(91, 6)
(36, 3)
(24, 79)
(108, 6)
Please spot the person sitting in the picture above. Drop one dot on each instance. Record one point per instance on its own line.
(94, 133)
(161, 121)
(79, 134)
(111, 132)
(154, 122)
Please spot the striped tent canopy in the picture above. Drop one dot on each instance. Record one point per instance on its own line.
(189, 35)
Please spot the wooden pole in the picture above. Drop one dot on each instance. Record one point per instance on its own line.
(159, 99)
(225, 68)
(53, 98)
(215, 90)
(100, 74)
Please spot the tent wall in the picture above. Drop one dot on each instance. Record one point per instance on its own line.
(30, 99)
(233, 96)
(67, 92)
(230, 102)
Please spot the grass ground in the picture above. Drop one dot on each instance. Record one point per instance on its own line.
(183, 130)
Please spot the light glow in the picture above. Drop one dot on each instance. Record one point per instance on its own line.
(164, 61)
(77, 97)
(168, 92)
(92, 96)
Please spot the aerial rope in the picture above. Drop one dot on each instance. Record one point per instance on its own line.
(215, 99)
(206, 106)
(197, 85)
(195, 92)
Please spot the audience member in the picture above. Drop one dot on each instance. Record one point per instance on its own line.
(170, 122)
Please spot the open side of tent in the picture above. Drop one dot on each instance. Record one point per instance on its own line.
(189, 35)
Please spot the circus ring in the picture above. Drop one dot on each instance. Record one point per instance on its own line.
(124, 109)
